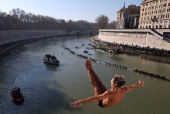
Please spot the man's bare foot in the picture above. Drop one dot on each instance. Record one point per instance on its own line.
(88, 64)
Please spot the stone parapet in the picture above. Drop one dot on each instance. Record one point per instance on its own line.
(143, 38)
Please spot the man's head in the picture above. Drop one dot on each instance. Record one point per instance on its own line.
(118, 81)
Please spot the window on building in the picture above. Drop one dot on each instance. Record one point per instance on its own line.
(160, 26)
(148, 18)
(159, 11)
(163, 10)
(145, 9)
(155, 12)
(153, 2)
(169, 4)
(162, 16)
(156, 7)
(149, 8)
(165, 0)
(160, 6)
(148, 13)
(164, 5)
(161, 0)
(167, 16)
(154, 17)
(152, 7)
(168, 10)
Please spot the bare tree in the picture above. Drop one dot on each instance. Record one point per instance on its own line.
(102, 21)
(112, 25)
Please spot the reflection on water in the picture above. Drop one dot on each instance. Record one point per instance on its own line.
(49, 89)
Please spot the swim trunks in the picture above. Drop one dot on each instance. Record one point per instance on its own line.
(100, 103)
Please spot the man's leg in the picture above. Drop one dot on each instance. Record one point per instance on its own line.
(103, 88)
(96, 87)
(95, 77)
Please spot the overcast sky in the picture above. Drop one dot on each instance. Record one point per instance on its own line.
(69, 9)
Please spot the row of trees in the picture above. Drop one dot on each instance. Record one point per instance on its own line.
(19, 19)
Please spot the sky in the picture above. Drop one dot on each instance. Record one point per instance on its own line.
(75, 10)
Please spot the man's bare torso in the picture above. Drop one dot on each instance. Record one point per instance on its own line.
(116, 96)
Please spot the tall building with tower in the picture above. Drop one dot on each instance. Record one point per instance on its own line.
(128, 17)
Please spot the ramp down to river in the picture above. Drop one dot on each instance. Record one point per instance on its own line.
(140, 37)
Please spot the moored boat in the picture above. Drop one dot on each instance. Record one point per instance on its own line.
(16, 95)
(76, 47)
(51, 59)
(85, 51)
(156, 60)
(92, 45)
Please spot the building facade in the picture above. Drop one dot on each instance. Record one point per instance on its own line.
(155, 14)
(128, 17)
(119, 19)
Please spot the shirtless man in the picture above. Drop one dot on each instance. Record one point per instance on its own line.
(104, 97)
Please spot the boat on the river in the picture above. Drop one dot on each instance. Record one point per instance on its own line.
(85, 51)
(76, 47)
(156, 60)
(90, 54)
(92, 45)
(89, 48)
(51, 59)
(16, 95)
(151, 74)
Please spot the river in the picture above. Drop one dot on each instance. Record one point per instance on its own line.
(49, 89)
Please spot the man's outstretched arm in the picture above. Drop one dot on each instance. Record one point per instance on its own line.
(78, 103)
(129, 88)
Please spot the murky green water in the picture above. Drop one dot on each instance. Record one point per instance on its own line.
(50, 89)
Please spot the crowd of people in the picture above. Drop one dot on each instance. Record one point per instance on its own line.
(135, 48)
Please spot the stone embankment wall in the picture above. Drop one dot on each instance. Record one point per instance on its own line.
(138, 37)
(17, 35)
(12, 38)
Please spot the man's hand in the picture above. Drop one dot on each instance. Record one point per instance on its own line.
(88, 64)
(141, 83)
(75, 104)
